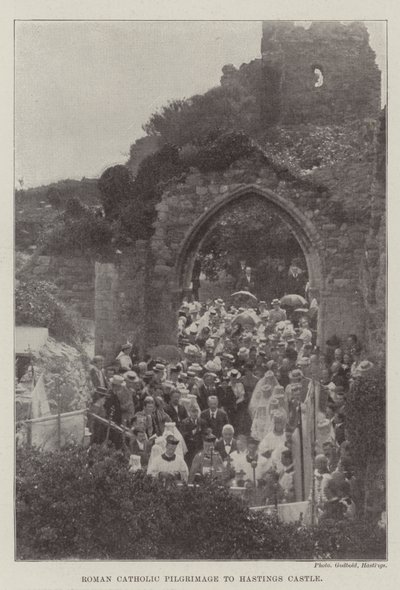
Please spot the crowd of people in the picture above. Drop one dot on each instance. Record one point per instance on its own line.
(232, 404)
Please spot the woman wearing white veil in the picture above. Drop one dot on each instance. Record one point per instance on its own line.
(260, 419)
(258, 393)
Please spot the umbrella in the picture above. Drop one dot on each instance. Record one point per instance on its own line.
(245, 318)
(168, 352)
(244, 297)
(293, 301)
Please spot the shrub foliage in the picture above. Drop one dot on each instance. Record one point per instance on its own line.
(75, 503)
(37, 304)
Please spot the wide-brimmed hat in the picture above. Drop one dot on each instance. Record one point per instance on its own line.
(196, 368)
(274, 301)
(304, 361)
(209, 374)
(131, 376)
(364, 367)
(211, 366)
(234, 373)
(227, 357)
(159, 367)
(117, 380)
(191, 349)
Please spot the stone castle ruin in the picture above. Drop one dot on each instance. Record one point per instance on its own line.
(319, 161)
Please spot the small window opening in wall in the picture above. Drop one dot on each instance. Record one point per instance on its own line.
(318, 77)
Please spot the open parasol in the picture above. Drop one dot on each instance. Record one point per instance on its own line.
(301, 310)
(293, 300)
(244, 297)
(245, 319)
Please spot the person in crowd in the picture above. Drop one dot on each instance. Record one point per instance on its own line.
(276, 314)
(235, 379)
(169, 464)
(275, 437)
(175, 411)
(113, 411)
(254, 466)
(206, 389)
(150, 419)
(333, 508)
(286, 478)
(97, 374)
(192, 433)
(134, 385)
(321, 478)
(226, 445)
(296, 280)
(125, 397)
(213, 418)
(207, 462)
(124, 358)
(140, 446)
(331, 454)
(98, 429)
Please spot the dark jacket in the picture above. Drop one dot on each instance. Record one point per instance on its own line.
(144, 453)
(215, 424)
(176, 415)
(220, 448)
(203, 465)
(204, 393)
(191, 432)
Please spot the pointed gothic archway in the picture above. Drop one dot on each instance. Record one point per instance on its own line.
(301, 227)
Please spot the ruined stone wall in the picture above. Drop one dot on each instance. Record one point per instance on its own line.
(351, 78)
(316, 165)
(74, 277)
(121, 312)
(338, 248)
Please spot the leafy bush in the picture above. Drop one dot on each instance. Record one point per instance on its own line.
(78, 229)
(37, 304)
(366, 418)
(83, 504)
(366, 426)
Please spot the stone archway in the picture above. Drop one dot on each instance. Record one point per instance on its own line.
(301, 227)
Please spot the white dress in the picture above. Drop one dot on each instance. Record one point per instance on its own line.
(258, 396)
(174, 466)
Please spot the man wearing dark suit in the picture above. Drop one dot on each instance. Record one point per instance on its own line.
(206, 389)
(213, 419)
(176, 412)
(97, 373)
(246, 281)
(140, 446)
(227, 444)
(191, 432)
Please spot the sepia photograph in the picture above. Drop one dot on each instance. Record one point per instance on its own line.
(200, 291)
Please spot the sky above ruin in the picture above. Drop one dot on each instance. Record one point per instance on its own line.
(84, 89)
